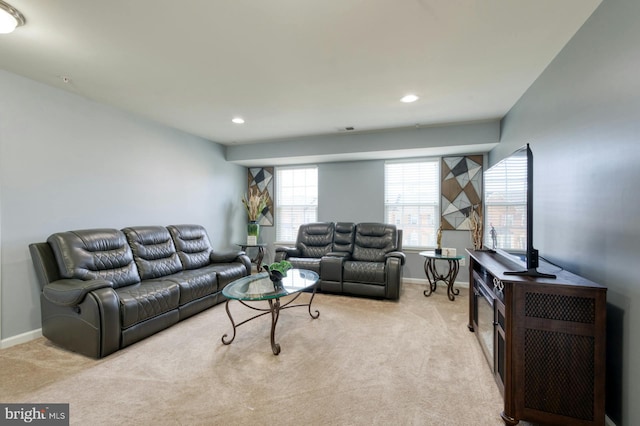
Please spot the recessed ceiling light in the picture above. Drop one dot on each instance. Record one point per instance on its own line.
(238, 120)
(10, 18)
(409, 98)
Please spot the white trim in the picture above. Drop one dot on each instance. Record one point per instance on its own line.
(608, 421)
(20, 338)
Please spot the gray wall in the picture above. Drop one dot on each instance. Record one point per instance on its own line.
(69, 163)
(353, 191)
(582, 119)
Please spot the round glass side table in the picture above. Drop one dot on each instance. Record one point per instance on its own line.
(433, 275)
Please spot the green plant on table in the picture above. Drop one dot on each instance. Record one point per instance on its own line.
(283, 266)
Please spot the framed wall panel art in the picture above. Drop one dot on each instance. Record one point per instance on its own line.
(261, 179)
(461, 190)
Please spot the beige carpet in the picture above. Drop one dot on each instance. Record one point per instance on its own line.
(363, 362)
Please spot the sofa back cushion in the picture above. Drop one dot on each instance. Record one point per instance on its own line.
(153, 251)
(315, 239)
(373, 241)
(344, 237)
(192, 244)
(95, 254)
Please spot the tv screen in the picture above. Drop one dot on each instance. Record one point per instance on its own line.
(505, 205)
(508, 211)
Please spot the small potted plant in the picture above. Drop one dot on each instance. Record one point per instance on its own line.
(278, 270)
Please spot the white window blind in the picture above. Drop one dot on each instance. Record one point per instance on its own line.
(412, 199)
(296, 200)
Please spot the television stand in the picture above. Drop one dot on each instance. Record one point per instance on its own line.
(544, 340)
(531, 272)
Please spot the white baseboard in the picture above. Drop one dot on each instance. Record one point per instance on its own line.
(423, 281)
(20, 338)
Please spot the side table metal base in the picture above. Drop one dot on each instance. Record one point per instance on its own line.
(257, 260)
(433, 276)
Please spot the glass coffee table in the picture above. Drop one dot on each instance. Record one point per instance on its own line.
(259, 287)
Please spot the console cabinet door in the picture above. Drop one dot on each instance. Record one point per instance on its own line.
(559, 354)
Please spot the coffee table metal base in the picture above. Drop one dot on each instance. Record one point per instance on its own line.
(274, 309)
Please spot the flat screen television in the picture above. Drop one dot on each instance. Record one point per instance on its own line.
(508, 211)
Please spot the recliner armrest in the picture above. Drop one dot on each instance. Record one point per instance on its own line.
(225, 257)
(289, 251)
(71, 292)
(398, 254)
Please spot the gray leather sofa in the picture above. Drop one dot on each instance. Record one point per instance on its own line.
(104, 289)
(363, 259)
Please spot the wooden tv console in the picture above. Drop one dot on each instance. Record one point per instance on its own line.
(544, 340)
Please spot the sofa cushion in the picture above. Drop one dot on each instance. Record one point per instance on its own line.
(373, 241)
(195, 283)
(153, 251)
(140, 302)
(192, 244)
(364, 272)
(95, 254)
(315, 239)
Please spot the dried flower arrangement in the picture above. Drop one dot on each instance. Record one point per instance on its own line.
(475, 228)
(255, 202)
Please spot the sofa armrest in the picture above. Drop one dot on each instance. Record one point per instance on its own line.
(71, 292)
(331, 267)
(393, 269)
(238, 256)
(226, 257)
(397, 254)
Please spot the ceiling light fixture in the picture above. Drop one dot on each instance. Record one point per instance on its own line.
(238, 120)
(10, 18)
(409, 98)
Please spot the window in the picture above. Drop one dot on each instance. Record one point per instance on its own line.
(412, 200)
(296, 200)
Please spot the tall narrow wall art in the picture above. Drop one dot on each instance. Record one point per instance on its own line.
(261, 179)
(461, 190)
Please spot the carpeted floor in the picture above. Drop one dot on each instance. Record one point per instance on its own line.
(363, 362)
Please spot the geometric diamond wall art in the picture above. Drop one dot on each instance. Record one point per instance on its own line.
(461, 190)
(261, 178)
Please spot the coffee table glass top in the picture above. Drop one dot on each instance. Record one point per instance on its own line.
(260, 287)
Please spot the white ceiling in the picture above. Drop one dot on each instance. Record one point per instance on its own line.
(293, 68)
